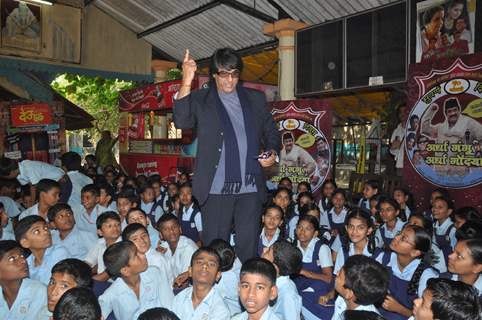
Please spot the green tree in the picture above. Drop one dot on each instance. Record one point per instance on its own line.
(97, 96)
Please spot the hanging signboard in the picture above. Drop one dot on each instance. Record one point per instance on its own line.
(27, 115)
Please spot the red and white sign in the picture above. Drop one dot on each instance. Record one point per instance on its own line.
(27, 115)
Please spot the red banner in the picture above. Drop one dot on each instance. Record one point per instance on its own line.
(31, 115)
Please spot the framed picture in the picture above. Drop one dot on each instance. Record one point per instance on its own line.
(21, 25)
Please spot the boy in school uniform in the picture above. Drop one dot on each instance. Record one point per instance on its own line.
(202, 301)
(78, 303)
(11, 210)
(137, 287)
(109, 229)
(4, 233)
(48, 194)
(139, 216)
(177, 248)
(106, 197)
(191, 222)
(149, 205)
(71, 163)
(287, 260)
(361, 283)
(126, 200)
(32, 233)
(67, 234)
(21, 298)
(257, 288)
(86, 215)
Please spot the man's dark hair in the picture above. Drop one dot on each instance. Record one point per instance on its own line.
(78, 304)
(52, 212)
(225, 252)
(45, 185)
(106, 216)
(361, 315)
(129, 194)
(135, 209)
(117, 256)
(132, 228)
(209, 251)
(453, 300)
(92, 188)
(7, 246)
(158, 314)
(165, 218)
(225, 58)
(367, 278)
(7, 165)
(25, 224)
(287, 258)
(71, 161)
(287, 135)
(451, 103)
(107, 188)
(259, 266)
(77, 269)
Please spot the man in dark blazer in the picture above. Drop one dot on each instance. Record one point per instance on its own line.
(233, 125)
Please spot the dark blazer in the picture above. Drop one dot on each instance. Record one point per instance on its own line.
(198, 111)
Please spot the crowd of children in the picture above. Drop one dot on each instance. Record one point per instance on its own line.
(75, 244)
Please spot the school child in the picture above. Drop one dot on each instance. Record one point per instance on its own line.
(202, 300)
(109, 229)
(137, 234)
(465, 263)
(177, 248)
(5, 234)
(375, 209)
(302, 199)
(71, 163)
(287, 260)
(316, 273)
(158, 314)
(172, 189)
(21, 298)
(282, 198)
(303, 186)
(472, 229)
(447, 299)
(257, 288)
(126, 200)
(392, 224)
(149, 205)
(78, 303)
(404, 199)
(286, 182)
(272, 220)
(175, 205)
(66, 274)
(409, 266)
(87, 215)
(159, 189)
(464, 214)
(136, 288)
(361, 284)
(309, 209)
(32, 233)
(444, 229)
(370, 188)
(333, 221)
(66, 233)
(361, 315)
(136, 215)
(191, 222)
(436, 193)
(327, 189)
(230, 267)
(48, 194)
(106, 197)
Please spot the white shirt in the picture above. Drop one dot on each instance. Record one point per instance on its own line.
(146, 207)
(186, 216)
(119, 298)
(95, 257)
(441, 229)
(153, 235)
(227, 287)
(12, 210)
(399, 133)
(85, 221)
(52, 255)
(31, 298)
(477, 284)
(181, 259)
(264, 240)
(156, 259)
(267, 315)
(390, 234)
(32, 211)
(78, 241)
(340, 307)
(340, 257)
(34, 171)
(288, 303)
(324, 254)
(79, 180)
(212, 307)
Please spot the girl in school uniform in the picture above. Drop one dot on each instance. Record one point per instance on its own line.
(444, 228)
(283, 199)
(392, 224)
(272, 222)
(302, 187)
(465, 263)
(333, 221)
(409, 265)
(304, 199)
(370, 189)
(327, 189)
(404, 199)
(436, 193)
(464, 214)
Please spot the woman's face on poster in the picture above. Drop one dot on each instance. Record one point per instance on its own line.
(456, 11)
(437, 20)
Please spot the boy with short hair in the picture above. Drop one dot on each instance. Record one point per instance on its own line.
(77, 303)
(361, 283)
(32, 233)
(139, 216)
(48, 194)
(109, 229)
(257, 288)
(126, 200)
(106, 196)
(86, 216)
(148, 203)
(4, 233)
(136, 288)
(66, 233)
(177, 248)
(191, 222)
(287, 260)
(20, 297)
(71, 163)
(202, 301)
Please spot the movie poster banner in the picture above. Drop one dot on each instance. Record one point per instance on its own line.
(305, 129)
(445, 29)
(444, 128)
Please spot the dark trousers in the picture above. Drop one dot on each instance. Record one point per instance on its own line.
(220, 212)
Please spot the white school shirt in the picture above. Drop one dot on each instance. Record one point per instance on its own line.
(153, 235)
(34, 171)
(181, 259)
(78, 242)
(32, 211)
(95, 257)
(441, 229)
(477, 284)
(6, 235)
(52, 255)
(340, 257)
(288, 303)
(154, 292)
(156, 259)
(227, 287)
(186, 216)
(79, 180)
(146, 207)
(390, 234)
(87, 222)
(407, 273)
(340, 307)
(267, 315)
(324, 254)
(268, 243)
(31, 298)
(337, 218)
(12, 210)
(212, 307)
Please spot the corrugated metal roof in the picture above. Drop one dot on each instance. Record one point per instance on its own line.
(222, 25)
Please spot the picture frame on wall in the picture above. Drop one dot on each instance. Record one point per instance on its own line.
(21, 25)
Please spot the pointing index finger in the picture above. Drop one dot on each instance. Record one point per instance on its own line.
(186, 55)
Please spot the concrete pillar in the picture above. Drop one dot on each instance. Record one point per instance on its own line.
(284, 30)
(160, 69)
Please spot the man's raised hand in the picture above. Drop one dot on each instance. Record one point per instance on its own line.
(189, 68)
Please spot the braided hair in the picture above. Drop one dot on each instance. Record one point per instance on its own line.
(423, 243)
(363, 215)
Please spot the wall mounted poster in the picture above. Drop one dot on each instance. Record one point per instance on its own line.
(305, 129)
(21, 25)
(445, 29)
(444, 128)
